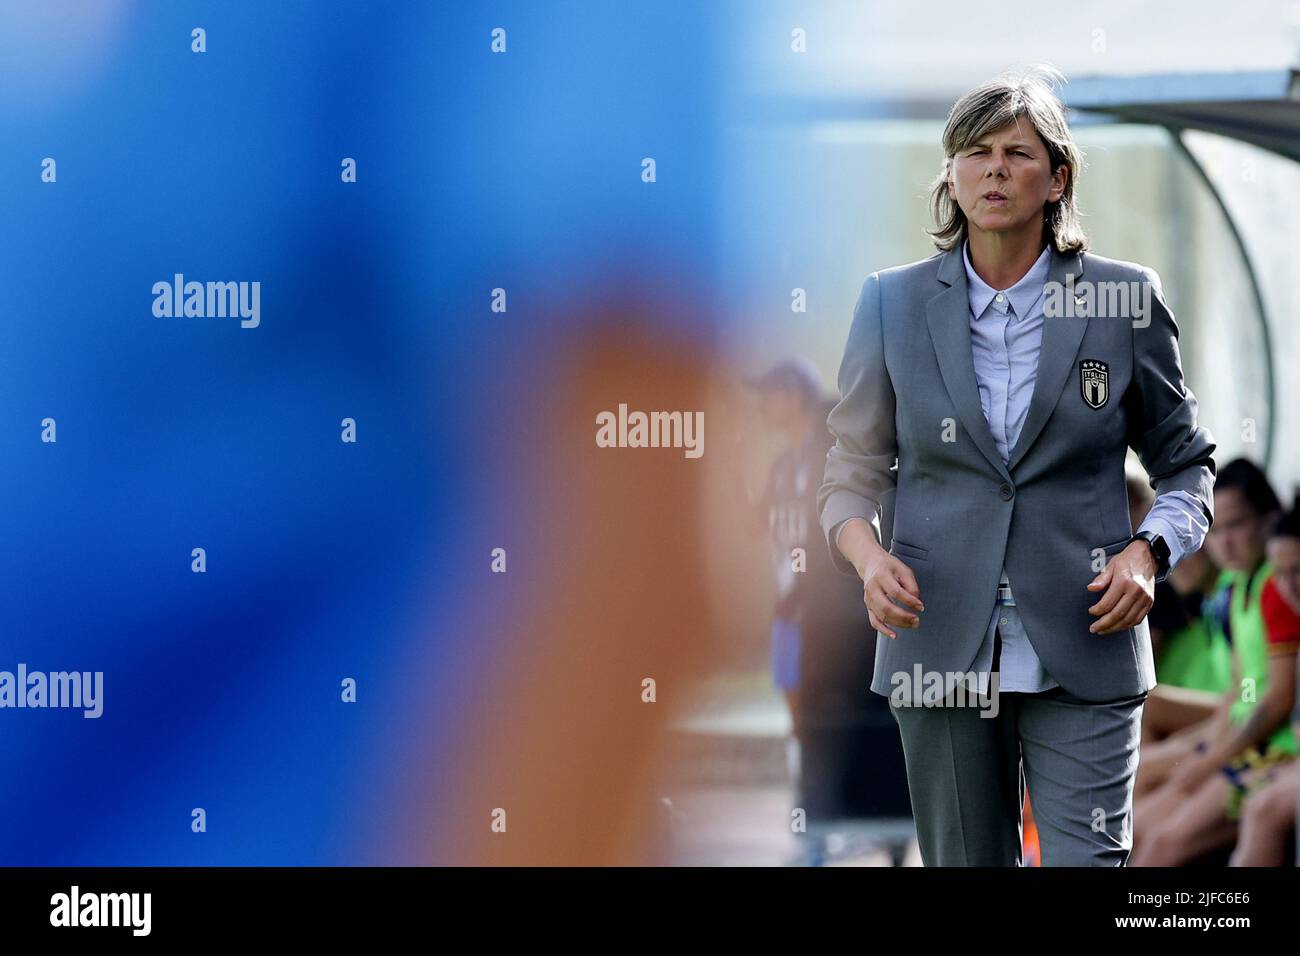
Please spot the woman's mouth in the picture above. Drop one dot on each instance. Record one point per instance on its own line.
(994, 197)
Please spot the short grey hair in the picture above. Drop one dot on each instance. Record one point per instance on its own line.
(1032, 94)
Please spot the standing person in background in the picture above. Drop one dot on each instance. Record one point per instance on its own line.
(844, 756)
(789, 396)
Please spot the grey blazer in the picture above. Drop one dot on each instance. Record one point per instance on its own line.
(1058, 510)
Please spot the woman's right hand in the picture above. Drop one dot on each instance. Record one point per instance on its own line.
(885, 579)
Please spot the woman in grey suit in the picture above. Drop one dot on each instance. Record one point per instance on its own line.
(995, 388)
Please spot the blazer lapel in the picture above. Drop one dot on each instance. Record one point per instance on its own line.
(948, 316)
(1062, 336)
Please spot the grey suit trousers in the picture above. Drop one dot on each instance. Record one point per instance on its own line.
(967, 771)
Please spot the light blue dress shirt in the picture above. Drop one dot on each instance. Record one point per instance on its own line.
(1006, 335)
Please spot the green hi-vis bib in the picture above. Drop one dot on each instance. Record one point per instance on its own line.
(1250, 649)
(1196, 656)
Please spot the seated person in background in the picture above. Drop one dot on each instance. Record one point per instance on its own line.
(1268, 818)
(1193, 657)
(1237, 546)
(1197, 810)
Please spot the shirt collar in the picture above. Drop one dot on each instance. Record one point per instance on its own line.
(1022, 295)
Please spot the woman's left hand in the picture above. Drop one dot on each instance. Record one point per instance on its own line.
(1129, 580)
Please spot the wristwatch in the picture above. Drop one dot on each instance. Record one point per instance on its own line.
(1159, 550)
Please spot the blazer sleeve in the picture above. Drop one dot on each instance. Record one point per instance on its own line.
(859, 466)
(1162, 411)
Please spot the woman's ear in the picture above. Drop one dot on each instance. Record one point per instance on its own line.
(1060, 176)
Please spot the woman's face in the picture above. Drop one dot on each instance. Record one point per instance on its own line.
(1002, 181)
(1236, 539)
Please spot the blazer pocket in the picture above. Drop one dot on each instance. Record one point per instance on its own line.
(911, 550)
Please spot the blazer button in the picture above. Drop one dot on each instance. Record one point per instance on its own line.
(1005, 492)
